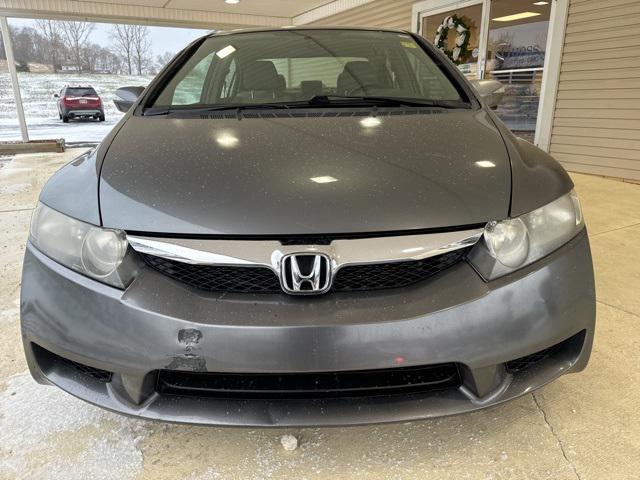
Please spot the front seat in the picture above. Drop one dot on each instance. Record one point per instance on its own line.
(259, 81)
(310, 88)
(359, 77)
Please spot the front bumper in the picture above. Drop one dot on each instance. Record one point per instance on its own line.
(158, 324)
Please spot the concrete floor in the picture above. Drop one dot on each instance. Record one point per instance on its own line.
(584, 426)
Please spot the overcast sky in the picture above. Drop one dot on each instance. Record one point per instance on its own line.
(163, 39)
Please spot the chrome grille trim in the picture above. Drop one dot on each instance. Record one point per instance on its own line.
(269, 253)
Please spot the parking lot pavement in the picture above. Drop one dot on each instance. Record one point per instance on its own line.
(582, 426)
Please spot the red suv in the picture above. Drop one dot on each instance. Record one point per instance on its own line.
(79, 102)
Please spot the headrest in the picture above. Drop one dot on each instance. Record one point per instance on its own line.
(282, 82)
(260, 75)
(310, 88)
(360, 75)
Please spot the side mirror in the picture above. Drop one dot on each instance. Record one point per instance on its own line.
(491, 91)
(55, 95)
(125, 97)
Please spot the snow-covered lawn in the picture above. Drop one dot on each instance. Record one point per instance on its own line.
(41, 111)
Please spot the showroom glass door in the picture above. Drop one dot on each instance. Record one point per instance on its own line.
(458, 32)
(506, 42)
(515, 55)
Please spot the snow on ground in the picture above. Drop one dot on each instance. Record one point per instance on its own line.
(41, 108)
(4, 160)
(31, 414)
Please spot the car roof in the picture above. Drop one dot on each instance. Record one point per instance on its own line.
(305, 27)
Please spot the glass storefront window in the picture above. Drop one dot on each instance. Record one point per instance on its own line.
(515, 56)
(514, 34)
(467, 18)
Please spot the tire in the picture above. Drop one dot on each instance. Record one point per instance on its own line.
(65, 119)
(101, 118)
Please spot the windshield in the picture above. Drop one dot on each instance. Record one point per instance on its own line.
(81, 92)
(300, 65)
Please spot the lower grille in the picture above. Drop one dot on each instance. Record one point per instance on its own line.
(48, 360)
(568, 350)
(522, 363)
(364, 383)
(101, 375)
(263, 280)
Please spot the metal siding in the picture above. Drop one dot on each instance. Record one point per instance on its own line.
(596, 125)
(380, 13)
(327, 10)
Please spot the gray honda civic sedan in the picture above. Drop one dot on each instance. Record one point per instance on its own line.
(307, 226)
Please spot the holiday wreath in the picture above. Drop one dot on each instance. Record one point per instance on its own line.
(460, 51)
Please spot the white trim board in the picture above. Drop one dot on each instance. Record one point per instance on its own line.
(551, 74)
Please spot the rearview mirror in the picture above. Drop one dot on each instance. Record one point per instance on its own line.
(491, 91)
(55, 95)
(125, 97)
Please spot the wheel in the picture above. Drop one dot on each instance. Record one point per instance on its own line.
(101, 118)
(65, 119)
(59, 115)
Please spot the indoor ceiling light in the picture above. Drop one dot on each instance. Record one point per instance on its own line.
(324, 179)
(232, 2)
(516, 16)
(539, 4)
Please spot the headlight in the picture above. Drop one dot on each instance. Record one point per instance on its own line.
(516, 242)
(96, 252)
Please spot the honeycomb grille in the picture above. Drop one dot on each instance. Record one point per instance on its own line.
(393, 275)
(217, 278)
(523, 363)
(263, 280)
(100, 375)
(341, 384)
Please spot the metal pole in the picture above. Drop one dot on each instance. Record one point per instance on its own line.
(11, 64)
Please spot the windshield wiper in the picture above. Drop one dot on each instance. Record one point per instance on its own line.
(322, 100)
(232, 106)
(316, 101)
(214, 108)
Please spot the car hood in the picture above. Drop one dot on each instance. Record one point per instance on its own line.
(300, 176)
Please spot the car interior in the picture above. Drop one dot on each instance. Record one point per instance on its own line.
(256, 74)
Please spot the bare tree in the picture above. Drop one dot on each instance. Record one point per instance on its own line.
(111, 62)
(141, 48)
(133, 44)
(76, 35)
(122, 37)
(23, 40)
(163, 59)
(50, 31)
(90, 56)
